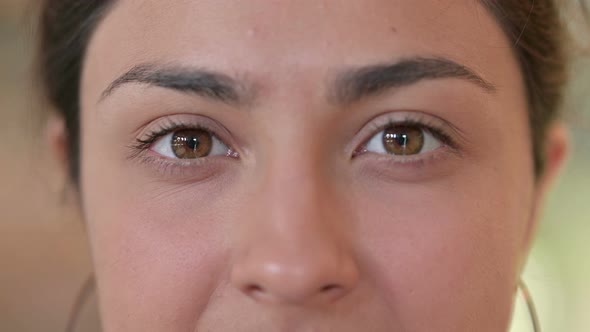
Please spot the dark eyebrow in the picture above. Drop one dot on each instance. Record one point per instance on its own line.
(209, 84)
(359, 83)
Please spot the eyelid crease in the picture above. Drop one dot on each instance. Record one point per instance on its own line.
(438, 133)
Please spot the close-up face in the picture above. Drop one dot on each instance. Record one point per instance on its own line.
(305, 166)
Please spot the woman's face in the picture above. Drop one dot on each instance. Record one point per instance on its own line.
(305, 166)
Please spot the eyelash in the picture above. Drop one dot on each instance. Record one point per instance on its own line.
(142, 145)
(418, 121)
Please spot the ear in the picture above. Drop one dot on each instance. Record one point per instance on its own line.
(557, 147)
(57, 140)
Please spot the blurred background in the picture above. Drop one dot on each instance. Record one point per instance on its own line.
(44, 259)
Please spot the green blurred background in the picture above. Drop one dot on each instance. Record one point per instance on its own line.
(44, 258)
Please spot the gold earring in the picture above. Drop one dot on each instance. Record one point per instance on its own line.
(530, 305)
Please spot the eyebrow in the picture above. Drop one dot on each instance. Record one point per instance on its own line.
(205, 83)
(350, 86)
(356, 84)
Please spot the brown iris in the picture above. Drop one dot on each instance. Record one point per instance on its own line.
(403, 140)
(192, 143)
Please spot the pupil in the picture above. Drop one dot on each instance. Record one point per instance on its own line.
(402, 139)
(192, 142)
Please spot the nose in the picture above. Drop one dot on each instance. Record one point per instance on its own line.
(282, 275)
(294, 246)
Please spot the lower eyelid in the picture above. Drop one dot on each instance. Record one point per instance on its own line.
(182, 169)
(413, 161)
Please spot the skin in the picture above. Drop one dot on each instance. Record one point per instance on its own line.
(298, 232)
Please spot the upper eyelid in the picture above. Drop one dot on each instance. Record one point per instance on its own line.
(378, 124)
(408, 117)
(171, 124)
(166, 130)
(453, 137)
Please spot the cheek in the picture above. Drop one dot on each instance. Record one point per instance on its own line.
(159, 249)
(155, 252)
(445, 250)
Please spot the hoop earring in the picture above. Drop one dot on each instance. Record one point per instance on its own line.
(530, 305)
(81, 298)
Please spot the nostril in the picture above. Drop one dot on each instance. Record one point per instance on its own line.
(253, 289)
(329, 288)
(332, 291)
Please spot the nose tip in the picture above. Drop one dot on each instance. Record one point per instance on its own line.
(309, 281)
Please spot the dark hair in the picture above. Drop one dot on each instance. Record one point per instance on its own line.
(533, 27)
(65, 29)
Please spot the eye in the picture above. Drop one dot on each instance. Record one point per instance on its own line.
(189, 144)
(403, 140)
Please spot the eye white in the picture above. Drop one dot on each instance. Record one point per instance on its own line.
(163, 146)
(376, 145)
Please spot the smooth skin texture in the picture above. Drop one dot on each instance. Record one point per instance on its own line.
(298, 228)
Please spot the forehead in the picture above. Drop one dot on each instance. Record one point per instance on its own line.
(283, 38)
